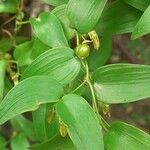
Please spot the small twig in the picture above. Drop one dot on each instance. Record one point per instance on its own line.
(7, 21)
(8, 33)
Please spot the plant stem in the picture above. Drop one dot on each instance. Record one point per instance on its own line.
(87, 79)
(108, 126)
(22, 22)
(8, 33)
(7, 21)
(94, 103)
(78, 87)
(77, 37)
(21, 5)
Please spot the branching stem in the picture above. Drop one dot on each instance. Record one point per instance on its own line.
(102, 122)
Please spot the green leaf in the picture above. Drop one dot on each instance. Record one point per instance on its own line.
(28, 95)
(44, 129)
(49, 30)
(8, 85)
(100, 57)
(84, 14)
(6, 44)
(124, 136)
(82, 123)
(57, 143)
(23, 52)
(55, 2)
(26, 52)
(58, 63)
(143, 25)
(20, 40)
(2, 75)
(19, 142)
(9, 6)
(22, 124)
(3, 143)
(118, 18)
(141, 5)
(38, 48)
(122, 83)
(60, 12)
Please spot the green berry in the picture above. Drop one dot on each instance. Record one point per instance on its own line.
(82, 51)
(20, 16)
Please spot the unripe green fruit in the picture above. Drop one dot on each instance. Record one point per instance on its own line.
(20, 16)
(82, 51)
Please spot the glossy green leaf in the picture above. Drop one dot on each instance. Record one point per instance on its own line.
(84, 14)
(44, 129)
(22, 53)
(122, 83)
(82, 123)
(143, 25)
(139, 4)
(19, 141)
(57, 143)
(49, 30)
(38, 48)
(122, 136)
(100, 57)
(28, 95)
(58, 63)
(55, 2)
(60, 12)
(9, 6)
(24, 125)
(118, 18)
(2, 74)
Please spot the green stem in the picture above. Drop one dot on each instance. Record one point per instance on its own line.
(108, 126)
(22, 22)
(77, 37)
(93, 97)
(95, 106)
(94, 103)
(87, 79)
(78, 87)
